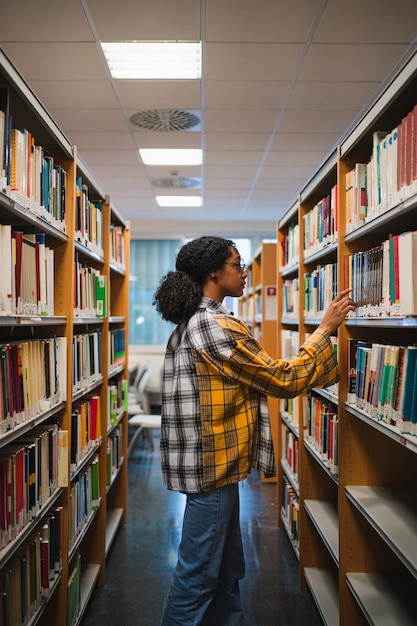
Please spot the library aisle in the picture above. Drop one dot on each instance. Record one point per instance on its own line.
(142, 558)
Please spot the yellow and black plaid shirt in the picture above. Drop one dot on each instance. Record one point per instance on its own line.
(215, 422)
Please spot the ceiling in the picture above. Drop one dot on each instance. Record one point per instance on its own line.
(282, 82)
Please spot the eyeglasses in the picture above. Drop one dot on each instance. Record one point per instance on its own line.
(242, 267)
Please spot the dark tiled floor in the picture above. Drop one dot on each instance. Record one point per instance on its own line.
(142, 558)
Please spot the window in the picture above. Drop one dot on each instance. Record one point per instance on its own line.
(150, 260)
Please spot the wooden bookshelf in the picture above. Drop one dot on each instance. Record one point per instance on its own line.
(357, 519)
(288, 411)
(258, 307)
(85, 535)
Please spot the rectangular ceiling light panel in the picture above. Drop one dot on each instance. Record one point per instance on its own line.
(153, 60)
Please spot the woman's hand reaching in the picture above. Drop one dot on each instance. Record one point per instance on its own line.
(337, 311)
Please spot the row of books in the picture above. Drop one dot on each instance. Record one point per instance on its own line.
(74, 591)
(88, 219)
(84, 499)
(118, 394)
(252, 308)
(27, 276)
(290, 342)
(290, 298)
(86, 359)
(117, 347)
(290, 511)
(114, 454)
(321, 428)
(382, 281)
(290, 450)
(117, 246)
(30, 575)
(380, 278)
(389, 177)
(90, 291)
(31, 471)
(27, 173)
(383, 382)
(288, 247)
(85, 429)
(356, 192)
(321, 224)
(33, 377)
(320, 287)
(290, 411)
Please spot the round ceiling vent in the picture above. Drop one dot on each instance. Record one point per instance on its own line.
(176, 182)
(165, 119)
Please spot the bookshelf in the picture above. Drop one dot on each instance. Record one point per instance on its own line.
(287, 344)
(354, 492)
(63, 426)
(258, 308)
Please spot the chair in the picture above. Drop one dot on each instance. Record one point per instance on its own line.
(139, 411)
(137, 399)
(142, 422)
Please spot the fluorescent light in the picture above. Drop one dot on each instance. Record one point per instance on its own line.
(179, 201)
(171, 156)
(153, 60)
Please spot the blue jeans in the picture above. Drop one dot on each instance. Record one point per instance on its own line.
(205, 584)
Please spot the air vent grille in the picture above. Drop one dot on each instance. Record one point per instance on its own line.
(176, 182)
(165, 120)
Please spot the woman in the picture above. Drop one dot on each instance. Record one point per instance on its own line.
(215, 423)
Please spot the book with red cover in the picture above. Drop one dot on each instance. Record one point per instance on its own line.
(94, 413)
(45, 560)
(17, 236)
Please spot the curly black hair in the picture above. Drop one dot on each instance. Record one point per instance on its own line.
(180, 292)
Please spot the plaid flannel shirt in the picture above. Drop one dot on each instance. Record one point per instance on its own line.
(215, 424)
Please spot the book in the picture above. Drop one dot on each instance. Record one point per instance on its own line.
(352, 353)
(375, 369)
(360, 196)
(4, 114)
(378, 162)
(17, 243)
(45, 559)
(63, 458)
(41, 274)
(394, 274)
(398, 386)
(407, 264)
(362, 369)
(101, 295)
(389, 369)
(94, 419)
(408, 407)
(414, 144)
(95, 484)
(6, 289)
(392, 382)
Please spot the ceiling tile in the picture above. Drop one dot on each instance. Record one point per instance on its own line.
(251, 61)
(159, 20)
(77, 94)
(373, 21)
(74, 61)
(350, 62)
(43, 21)
(273, 20)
